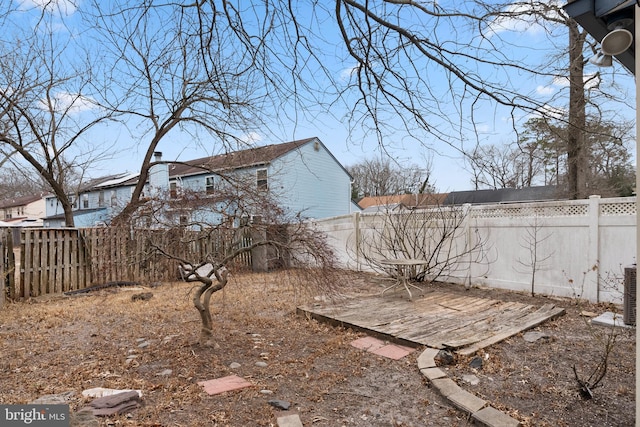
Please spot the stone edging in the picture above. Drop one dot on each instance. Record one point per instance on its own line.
(479, 409)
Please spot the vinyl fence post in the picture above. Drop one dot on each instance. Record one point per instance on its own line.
(591, 289)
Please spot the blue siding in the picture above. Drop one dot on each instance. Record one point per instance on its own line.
(307, 180)
(311, 181)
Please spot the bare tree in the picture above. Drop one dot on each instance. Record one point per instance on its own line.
(383, 177)
(18, 182)
(184, 68)
(47, 105)
(604, 338)
(536, 257)
(506, 166)
(271, 56)
(209, 235)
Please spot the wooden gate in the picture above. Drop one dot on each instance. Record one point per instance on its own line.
(52, 261)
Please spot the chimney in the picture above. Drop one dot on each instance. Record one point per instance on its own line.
(159, 174)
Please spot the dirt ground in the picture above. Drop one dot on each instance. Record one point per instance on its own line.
(58, 344)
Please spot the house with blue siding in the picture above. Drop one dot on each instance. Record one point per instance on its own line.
(303, 177)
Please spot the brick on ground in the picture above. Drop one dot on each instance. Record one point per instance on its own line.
(220, 385)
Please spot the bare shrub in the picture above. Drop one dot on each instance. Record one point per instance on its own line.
(440, 236)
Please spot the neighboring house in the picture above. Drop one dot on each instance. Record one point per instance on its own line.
(303, 176)
(95, 203)
(401, 201)
(504, 195)
(23, 211)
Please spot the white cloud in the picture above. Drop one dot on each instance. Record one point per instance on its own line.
(69, 103)
(545, 90)
(55, 7)
(346, 74)
(251, 138)
(561, 81)
(591, 80)
(550, 111)
(521, 18)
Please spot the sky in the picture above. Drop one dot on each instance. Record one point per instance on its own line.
(351, 144)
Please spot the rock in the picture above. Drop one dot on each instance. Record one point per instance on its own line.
(168, 338)
(114, 404)
(476, 362)
(585, 313)
(83, 419)
(262, 364)
(280, 404)
(471, 379)
(535, 336)
(144, 296)
(143, 344)
(444, 357)
(265, 391)
(234, 365)
(164, 373)
(54, 399)
(101, 391)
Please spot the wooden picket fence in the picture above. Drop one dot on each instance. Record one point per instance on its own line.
(62, 260)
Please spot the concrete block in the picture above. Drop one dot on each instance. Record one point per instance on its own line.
(291, 420)
(491, 417)
(467, 401)
(446, 386)
(427, 358)
(433, 373)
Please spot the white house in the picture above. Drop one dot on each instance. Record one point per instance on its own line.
(23, 211)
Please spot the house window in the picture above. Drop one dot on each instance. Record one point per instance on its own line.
(173, 190)
(261, 179)
(101, 199)
(85, 201)
(210, 184)
(74, 202)
(114, 199)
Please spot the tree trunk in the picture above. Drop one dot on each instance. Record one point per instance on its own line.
(202, 301)
(69, 221)
(576, 150)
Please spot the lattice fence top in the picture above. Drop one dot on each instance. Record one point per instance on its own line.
(618, 209)
(531, 211)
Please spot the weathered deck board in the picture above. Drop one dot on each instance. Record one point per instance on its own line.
(436, 319)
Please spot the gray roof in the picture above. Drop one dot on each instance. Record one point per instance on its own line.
(503, 195)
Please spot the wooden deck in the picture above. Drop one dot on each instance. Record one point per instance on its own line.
(436, 319)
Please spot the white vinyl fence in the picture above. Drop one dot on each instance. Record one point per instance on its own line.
(581, 246)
